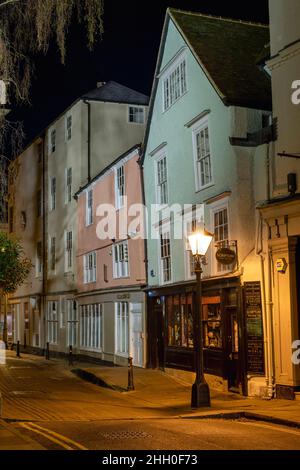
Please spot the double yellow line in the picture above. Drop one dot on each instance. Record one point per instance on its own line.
(52, 436)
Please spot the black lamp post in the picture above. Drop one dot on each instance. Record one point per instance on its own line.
(199, 243)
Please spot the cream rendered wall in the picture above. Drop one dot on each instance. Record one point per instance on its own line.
(112, 134)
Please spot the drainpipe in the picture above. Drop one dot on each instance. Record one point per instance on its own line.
(89, 141)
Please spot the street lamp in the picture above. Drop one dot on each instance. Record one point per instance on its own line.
(199, 242)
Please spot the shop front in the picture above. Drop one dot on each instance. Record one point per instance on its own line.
(170, 331)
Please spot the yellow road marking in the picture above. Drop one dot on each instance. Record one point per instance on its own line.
(59, 436)
(52, 439)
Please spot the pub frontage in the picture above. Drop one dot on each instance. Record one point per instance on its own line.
(233, 343)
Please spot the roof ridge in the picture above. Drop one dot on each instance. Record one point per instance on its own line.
(223, 18)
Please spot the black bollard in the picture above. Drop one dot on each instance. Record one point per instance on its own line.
(70, 355)
(47, 352)
(18, 349)
(130, 374)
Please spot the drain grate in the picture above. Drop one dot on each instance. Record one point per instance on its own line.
(124, 435)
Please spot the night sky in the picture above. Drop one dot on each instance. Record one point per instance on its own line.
(127, 53)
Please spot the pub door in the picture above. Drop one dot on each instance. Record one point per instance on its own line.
(232, 351)
(156, 334)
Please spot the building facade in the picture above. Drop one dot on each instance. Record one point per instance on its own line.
(111, 265)
(205, 103)
(279, 209)
(71, 151)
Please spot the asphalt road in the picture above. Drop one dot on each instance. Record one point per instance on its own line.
(62, 412)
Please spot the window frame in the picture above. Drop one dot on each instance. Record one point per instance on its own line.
(53, 321)
(69, 250)
(52, 140)
(53, 194)
(160, 259)
(89, 340)
(90, 274)
(68, 129)
(39, 259)
(139, 108)
(52, 254)
(122, 341)
(162, 155)
(168, 103)
(199, 126)
(89, 209)
(214, 209)
(68, 184)
(120, 198)
(120, 266)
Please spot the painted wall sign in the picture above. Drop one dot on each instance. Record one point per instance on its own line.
(226, 256)
(281, 265)
(254, 328)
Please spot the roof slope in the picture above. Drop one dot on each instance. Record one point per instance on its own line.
(228, 51)
(113, 92)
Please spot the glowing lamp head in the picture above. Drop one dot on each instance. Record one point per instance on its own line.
(199, 242)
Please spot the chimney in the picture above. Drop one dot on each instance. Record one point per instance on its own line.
(100, 84)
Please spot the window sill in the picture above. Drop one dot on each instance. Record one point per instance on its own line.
(210, 185)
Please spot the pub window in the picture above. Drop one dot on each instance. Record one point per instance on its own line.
(180, 321)
(221, 233)
(212, 323)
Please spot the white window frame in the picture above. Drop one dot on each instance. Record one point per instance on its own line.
(122, 328)
(201, 125)
(52, 140)
(89, 210)
(53, 194)
(91, 327)
(162, 155)
(121, 260)
(161, 259)
(68, 128)
(168, 88)
(72, 322)
(39, 259)
(190, 226)
(52, 252)
(52, 322)
(139, 110)
(120, 190)
(90, 267)
(68, 185)
(69, 248)
(215, 208)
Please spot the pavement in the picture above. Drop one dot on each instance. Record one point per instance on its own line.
(48, 397)
(159, 389)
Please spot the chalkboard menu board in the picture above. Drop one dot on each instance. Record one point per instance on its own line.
(254, 328)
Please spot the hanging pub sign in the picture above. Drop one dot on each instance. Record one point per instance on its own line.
(225, 256)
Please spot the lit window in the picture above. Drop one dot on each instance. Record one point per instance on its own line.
(221, 233)
(136, 114)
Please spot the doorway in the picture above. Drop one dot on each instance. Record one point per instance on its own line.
(156, 328)
(232, 350)
(136, 334)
